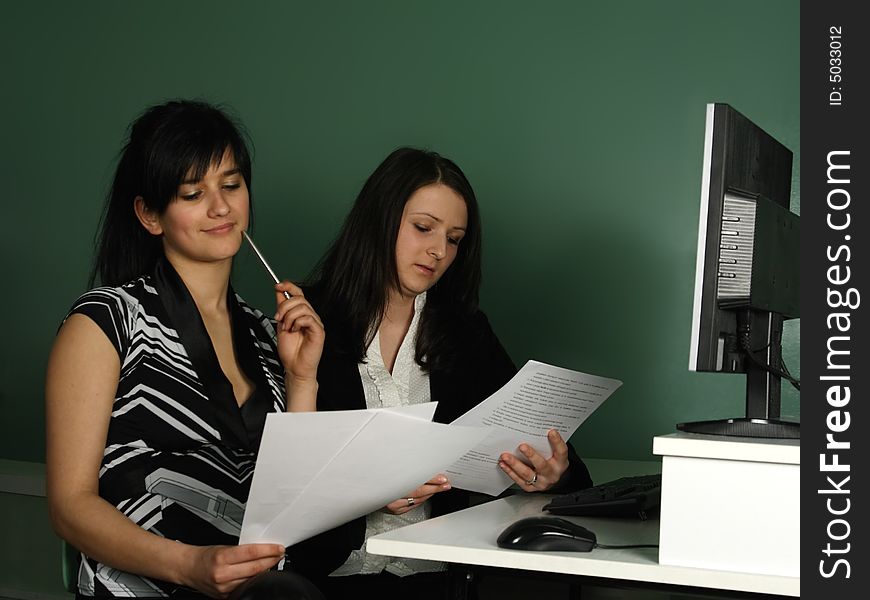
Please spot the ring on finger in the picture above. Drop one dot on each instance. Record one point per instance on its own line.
(533, 480)
(410, 501)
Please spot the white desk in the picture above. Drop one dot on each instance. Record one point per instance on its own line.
(468, 537)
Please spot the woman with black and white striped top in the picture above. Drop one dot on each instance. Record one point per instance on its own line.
(159, 382)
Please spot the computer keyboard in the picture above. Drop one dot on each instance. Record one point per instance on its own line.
(628, 496)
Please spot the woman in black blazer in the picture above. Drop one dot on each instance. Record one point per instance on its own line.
(398, 295)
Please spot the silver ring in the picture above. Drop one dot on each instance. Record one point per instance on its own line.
(410, 501)
(532, 480)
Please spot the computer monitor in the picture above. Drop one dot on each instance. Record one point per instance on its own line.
(747, 272)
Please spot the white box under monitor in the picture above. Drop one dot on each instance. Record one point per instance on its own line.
(731, 504)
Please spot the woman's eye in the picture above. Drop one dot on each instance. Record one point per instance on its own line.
(454, 241)
(189, 196)
(423, 228)
(232, 186)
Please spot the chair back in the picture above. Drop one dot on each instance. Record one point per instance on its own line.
(70, 558)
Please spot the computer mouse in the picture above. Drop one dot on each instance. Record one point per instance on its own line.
(546, 534)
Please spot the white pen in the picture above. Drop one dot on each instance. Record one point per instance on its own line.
(263, 260)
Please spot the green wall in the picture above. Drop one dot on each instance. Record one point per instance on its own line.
(580, 125)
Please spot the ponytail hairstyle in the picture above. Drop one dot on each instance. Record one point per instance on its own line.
(167, 144)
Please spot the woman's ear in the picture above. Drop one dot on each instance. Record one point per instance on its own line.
(150, 220)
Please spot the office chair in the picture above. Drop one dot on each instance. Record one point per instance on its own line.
(69, 566)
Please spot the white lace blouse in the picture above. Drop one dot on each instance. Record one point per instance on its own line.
(408, 384)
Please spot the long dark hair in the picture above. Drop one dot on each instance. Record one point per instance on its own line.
(352, 281)
(166, 143)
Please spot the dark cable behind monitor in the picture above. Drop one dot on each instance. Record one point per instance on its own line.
(782, 371)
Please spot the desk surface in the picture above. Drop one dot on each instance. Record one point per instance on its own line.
(468, 537)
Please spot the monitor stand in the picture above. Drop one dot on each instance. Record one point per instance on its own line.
(762, 396)
(745, 427)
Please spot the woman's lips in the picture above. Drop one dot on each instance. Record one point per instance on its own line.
(225, 228)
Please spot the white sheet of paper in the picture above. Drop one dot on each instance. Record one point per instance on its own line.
(343, 465)
(538, 398)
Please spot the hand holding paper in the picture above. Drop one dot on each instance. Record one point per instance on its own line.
(316, 471)
(538, 398)
(354, 462)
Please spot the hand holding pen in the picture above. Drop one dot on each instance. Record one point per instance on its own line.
(300, 334)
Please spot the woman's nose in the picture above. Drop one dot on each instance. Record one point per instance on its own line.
(437, 251)
(218, 206)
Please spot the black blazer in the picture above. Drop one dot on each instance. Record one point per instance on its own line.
(481, 367)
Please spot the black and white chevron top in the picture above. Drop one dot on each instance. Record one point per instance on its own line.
(180, 453)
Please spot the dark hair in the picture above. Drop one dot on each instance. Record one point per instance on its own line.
(353, 279)
(166, 143)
